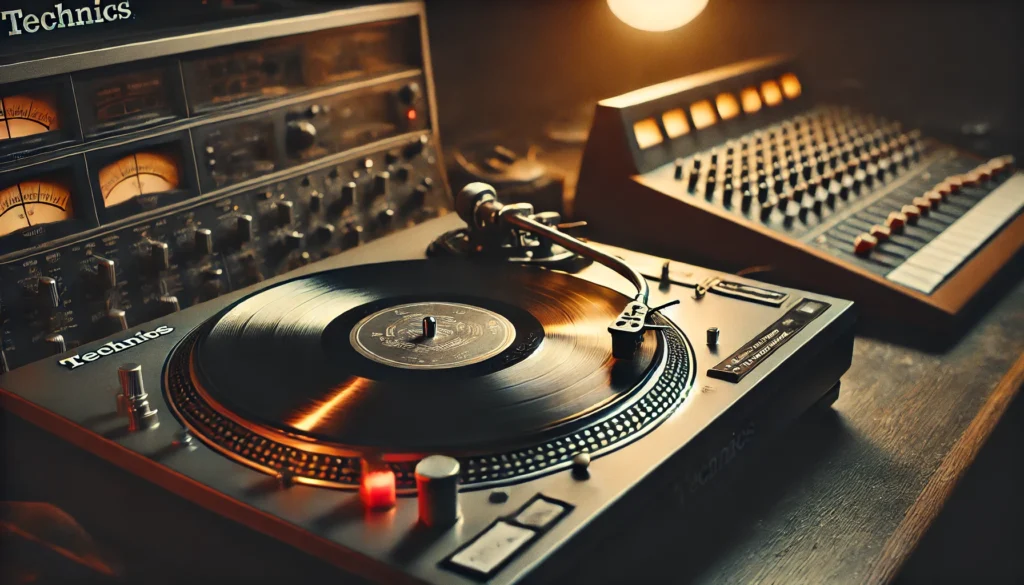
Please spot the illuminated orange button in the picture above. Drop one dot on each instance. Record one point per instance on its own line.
(954, 183)
(880, 232)
(935, 197)
(896, 221)
(912, 213)
(377, 489)
(864, 243)
(970, 179)
(923, 203)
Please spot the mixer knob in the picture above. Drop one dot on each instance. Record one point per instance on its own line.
(348, 195)
(416, 148)
(766, 212)
(243, 228)
(325, 233)
(727, 194)
(212, 274)
(56, 343)
(351, 236)
(106, 271)
(117, 320)
(160, 254)
(285, 212)
(4, 366)
(410, 93)
(385, 217)
(203, 242)
(691, 184)
(437, 491)
(168, 304)
(299, 135)
(747, 199)
(316, 202)
(678, 174)
(784, 200)
(912, 212)
(293, 240)
(212, 285)
(381, 183)
(48, 292)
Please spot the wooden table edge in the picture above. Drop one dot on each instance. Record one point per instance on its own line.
(904, 540)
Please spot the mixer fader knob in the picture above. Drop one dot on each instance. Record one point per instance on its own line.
(325, 233)
(316, 201)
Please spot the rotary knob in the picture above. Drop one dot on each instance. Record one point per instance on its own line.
(316, 202)
(117, 320)
(160, 255)
(437, 491)
(325, 233)
(48, 293)
(106, 272)
(203, 242)
(293, 240)
(299, 135)
(381, 184)
(351, 236)
(56, 343)
(168, 304)
(243, 228)
(285, 212)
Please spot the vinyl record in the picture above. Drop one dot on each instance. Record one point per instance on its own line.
(339, 358)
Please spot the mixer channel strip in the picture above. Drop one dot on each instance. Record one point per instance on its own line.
(917, 239)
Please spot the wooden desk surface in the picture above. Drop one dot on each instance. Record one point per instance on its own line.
(845, 495)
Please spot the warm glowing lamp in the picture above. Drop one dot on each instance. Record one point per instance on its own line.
(656, 15)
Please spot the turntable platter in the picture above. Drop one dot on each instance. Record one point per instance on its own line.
(338, 363)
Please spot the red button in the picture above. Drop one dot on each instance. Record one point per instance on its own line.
(377, 489)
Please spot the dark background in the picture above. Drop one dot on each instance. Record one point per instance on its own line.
(939, 65)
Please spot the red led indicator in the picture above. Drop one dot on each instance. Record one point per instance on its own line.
(411, 114)
(378, 490)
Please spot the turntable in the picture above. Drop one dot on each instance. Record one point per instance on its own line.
(484, 414)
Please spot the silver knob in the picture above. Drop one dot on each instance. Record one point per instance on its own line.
(106, 271)
(56, 343)
(48, 292)
(118, 319)
(437, 490)
(132, 401)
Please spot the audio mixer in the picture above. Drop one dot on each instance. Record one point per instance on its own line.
(740, 167)
(139, 179)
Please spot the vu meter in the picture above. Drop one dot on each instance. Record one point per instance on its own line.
(138, 174)
(27, 115)
(31, 203)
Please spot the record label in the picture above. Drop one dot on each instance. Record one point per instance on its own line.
(465, 335)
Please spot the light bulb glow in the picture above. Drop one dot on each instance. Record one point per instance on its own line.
(656, 15)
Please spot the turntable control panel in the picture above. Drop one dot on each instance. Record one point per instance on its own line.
(133, 189)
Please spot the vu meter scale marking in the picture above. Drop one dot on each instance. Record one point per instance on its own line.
(137, 174)
(33, 203)
(25, 116)
(462, 335)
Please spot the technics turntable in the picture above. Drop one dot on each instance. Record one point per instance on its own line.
(485, 414)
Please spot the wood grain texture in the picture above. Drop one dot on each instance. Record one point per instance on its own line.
(930, 502)
(844, 496)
